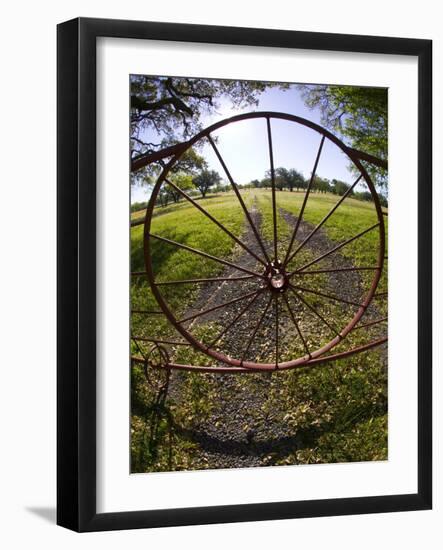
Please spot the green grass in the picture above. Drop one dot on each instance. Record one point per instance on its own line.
(186, 225)
(351, 218)
(175, 206)
(338, 410)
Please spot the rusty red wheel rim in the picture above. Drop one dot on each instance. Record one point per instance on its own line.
(276, 280)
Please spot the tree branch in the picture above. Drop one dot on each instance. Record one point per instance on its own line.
(142, 105)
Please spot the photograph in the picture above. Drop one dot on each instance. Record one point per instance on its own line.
(259, 270)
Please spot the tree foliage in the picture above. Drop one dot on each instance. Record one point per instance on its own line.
(183, 181)
(359, 115)
(190, 163)
(285, 178)
(295, 179)
(321, 184)
(339, 187)
(173, 106)
(168, 110)
(206, 179)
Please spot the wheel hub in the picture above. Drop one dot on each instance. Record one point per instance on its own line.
(276, 276)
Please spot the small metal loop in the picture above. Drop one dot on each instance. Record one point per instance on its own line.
(157, 359)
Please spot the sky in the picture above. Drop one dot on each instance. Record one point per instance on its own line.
(244, 146)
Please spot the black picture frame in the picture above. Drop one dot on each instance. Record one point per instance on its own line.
(76, 264)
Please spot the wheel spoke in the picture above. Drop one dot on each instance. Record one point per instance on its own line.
(215, 221)
(343, 354)
(209, 280)
(328, 296)
(239, 197)
(371, 323)
(338, 247)
(338, 270)
(251, 338)
(146, 312)
(323, 221)
(299, 332)
(139, 348)
(274, 206)
(237, 317)
(305, 200)
(139, 221)
(276, 332)
(317, 313)
(205, 255)
(157, 341)
(225, 304)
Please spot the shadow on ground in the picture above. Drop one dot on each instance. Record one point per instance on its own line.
(46, 513)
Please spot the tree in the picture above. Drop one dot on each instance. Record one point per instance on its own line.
(339, 187)
(295, 179)
(222, 188)
(164, 196)
(168, 110)
(367, 196)
(136, 206)
(363, 196)
(183, 181)
(359, 115)
(280, 177)
(265, 182)
(285, 177)
(206, 179)
(190, 163)
(321, 184)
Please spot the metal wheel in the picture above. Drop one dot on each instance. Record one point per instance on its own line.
(274, 284)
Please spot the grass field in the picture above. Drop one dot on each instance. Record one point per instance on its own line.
(336, 412)
(185, 224)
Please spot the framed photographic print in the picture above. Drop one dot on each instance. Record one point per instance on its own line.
(244, 274)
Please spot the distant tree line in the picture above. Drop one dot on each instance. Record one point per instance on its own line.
(193, 176)
(136, 206)
(291, 179)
